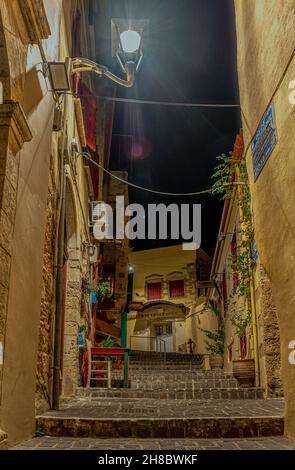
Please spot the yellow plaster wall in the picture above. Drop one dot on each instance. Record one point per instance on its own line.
(162, 263)
(266, 41)
(159, 261)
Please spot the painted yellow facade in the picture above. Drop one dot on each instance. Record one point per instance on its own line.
(167, 319)
(266, 66)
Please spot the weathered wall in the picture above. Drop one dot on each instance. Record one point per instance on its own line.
(265, 38)
(28, 221)
(268, 335)
(76, 228)
(200, 318)
(45, 347)
(29, 217)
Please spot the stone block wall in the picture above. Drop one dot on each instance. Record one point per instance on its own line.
(268, 335)
(46, 338)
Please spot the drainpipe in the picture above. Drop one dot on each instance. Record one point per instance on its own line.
(59, 295)
(59, 271)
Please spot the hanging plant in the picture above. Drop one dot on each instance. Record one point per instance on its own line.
(82, 328)
(231, 182)
(103, 290)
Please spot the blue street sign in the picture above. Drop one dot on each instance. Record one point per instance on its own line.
(264, 141)
(254, 252)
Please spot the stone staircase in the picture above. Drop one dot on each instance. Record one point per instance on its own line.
(179, 399)
(181, 377)
(143, 360)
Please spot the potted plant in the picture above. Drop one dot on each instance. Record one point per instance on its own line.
(103, 290)
(216, 349)
(244, 367)
(215, 342)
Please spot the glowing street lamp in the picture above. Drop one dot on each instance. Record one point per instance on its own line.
(128, 37)
(130, 41)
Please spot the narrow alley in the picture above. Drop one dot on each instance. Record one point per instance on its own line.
(147, 229)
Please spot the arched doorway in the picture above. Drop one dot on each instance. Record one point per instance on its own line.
(159, 325)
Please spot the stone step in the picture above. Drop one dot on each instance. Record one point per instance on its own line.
(160, 360)
(183, 384)
(172, 394)
(149, 354)
(127, 444)
(173, 375)
(142, 357)
(203, 428)
(150, 418)
(163, 366)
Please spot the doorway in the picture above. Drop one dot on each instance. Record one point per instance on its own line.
(164, 332)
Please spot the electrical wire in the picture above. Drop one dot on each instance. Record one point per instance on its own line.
(169, 103)
(142, 188)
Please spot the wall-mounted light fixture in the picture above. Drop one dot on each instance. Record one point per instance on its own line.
(58, 76)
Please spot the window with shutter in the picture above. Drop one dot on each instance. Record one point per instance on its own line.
(154, 290)
(176, 288)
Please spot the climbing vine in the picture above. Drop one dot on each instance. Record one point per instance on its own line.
(231, 182)
(215, 339)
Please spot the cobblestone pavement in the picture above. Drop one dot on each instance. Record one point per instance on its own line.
(126, 408)
(67, 443)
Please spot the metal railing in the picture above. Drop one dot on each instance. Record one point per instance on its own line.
(158, 343)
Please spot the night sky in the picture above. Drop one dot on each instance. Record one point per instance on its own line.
(190, 56)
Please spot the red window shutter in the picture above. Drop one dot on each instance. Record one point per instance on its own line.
(89, 108)
(154, 290)
(176, 288)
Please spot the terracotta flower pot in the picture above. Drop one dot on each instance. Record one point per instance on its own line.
(244, 372)
(216, 361)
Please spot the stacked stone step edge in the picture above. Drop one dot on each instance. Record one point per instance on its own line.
(178, 399)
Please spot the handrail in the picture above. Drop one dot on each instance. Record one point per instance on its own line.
(157, 339)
